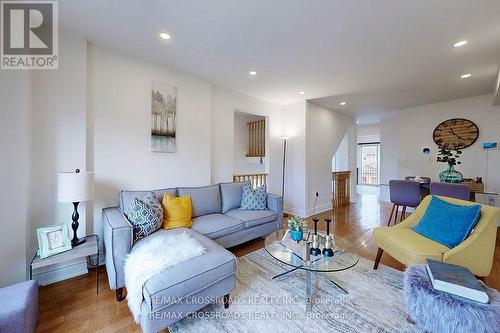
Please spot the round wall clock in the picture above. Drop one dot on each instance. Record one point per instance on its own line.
(456, 133)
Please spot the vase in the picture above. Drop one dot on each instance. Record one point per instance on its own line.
(296, 235)
(451, 175)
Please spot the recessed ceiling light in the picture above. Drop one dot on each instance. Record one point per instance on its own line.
(465, 76)
(460, 43)
(253, 73)
(357, 121)
(164, 35)
(343, 103)
(301, 93)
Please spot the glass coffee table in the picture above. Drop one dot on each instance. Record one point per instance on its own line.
(296, 255)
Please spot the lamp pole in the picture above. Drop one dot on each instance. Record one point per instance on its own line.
(284, 138)
(283, 168)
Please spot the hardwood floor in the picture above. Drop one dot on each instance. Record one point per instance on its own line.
(74, 306)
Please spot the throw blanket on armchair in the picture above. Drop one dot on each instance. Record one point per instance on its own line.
(151, 258)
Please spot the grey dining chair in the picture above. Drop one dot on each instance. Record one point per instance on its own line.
(424, 190)
(403, 193)
(457, 191)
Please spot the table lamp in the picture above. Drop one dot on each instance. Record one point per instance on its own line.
(75, 187)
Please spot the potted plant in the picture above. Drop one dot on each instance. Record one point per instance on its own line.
(450, 156)
(296, 225)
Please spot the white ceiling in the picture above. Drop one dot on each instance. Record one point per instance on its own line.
(377, 55)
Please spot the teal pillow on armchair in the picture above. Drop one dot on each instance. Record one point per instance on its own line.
(447, 223)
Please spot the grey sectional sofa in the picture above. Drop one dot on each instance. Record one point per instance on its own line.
(218, 223)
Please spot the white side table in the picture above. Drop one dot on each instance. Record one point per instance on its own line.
(87, 249)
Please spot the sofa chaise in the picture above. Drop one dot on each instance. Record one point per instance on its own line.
(218, 223)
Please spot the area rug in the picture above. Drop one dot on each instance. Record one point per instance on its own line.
(375, 301)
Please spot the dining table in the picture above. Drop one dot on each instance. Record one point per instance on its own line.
(425, 188)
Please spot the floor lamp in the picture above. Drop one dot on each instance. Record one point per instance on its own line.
(285, 139)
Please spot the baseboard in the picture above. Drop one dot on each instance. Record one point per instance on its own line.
(59, 272)
(308, 212)
(293, 211)
(319, 209)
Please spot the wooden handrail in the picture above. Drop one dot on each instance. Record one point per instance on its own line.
(256, 139)
(256, 179)
(341, 188)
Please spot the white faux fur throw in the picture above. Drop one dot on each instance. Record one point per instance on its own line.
(153, 257)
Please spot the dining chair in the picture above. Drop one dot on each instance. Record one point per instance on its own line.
(457, 191)
(403, 193)
(424, 190)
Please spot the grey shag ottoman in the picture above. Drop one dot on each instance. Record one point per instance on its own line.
(439, 312)
(19, 307)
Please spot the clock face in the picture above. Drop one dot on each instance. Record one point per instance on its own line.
(456, 133)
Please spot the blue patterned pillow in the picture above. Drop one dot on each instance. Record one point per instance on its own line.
(253, 199)
(146, 216)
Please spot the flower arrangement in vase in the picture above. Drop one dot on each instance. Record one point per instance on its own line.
(297, 225)
(450, 156)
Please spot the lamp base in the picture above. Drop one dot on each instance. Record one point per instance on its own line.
(315, 251)
(78, 242)
(327, 252)
(75, 241)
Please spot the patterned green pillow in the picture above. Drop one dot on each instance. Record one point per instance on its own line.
(146, 216)
(253, 199)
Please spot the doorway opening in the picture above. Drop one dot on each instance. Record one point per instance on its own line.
(369, 158)
(250, 155)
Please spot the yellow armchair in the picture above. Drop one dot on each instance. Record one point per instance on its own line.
(408, 247)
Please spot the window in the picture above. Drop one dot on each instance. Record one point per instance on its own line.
(369, 161)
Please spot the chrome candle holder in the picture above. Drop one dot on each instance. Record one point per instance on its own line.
(327, 250)
(314, 250)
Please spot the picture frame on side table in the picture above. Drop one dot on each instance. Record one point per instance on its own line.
(53, 239)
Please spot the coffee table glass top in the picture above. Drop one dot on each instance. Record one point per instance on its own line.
(292, 253)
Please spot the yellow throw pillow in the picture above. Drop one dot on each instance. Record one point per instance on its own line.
(177, 211)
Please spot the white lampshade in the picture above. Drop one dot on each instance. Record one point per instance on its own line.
(75, 187)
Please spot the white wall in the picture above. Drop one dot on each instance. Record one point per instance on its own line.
(243, 164)
(368, 133)
(353, 158)
(120, 104)
(294, 127)
(14, 174)
(224, 105)
(315, 134)
(325, 131)
(414, 128)
(340, 161)
(57, 135)
(388, 154)
(47, 110)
